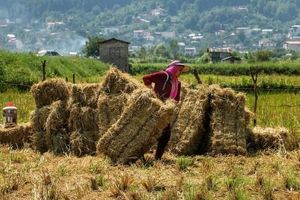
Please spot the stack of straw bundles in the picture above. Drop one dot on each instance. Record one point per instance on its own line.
(138, 128)
(228, 122)
(190, 126)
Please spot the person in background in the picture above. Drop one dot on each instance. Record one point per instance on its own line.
(166, 85)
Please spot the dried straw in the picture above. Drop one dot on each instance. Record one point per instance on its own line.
(57, 128)
(190, 126)
(270, 139)
(228, 122)
(139, 126)
(83, 143)
(16, 136)
(48, 91)
(115, 91)
(85, 94)
(83, 119)
(117, 82)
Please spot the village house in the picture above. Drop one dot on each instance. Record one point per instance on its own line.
(294, 32)
(292, 45)
(116, 52)
(266, 44)
(190, 51)
(221, 54)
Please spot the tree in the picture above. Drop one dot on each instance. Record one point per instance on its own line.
(91, 47)
(174, 49)
(263, 55)
(142, 53)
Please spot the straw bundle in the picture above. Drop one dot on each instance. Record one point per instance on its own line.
(38, 120)
(189, 128)
(82, 119)
(16, 136)
(83, 125)
(56, 128)
(140, 124)
(85, 94)
(48, 91)
(278, 138)
(39, 117)
(117, 82)
(113, 97)
(83, 143)
(228, 122)
(109, 110)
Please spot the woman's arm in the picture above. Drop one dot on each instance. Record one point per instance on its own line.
(153, 78)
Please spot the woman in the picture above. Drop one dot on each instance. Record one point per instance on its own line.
(167, 86)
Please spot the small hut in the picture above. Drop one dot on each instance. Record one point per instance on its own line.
(115, 51)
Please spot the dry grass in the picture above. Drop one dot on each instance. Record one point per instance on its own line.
(25, 174)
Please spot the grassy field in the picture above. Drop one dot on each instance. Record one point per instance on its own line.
(25, 174)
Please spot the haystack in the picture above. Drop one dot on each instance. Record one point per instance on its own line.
(271, 139)
(114, 94)
(57, 137)
(83, 143)
(46, 92)
(82, 119)
(38, 120)
(83, 125)
(16, 136)
(117, 82)
(137, 129)
(85, 94)
(190, 126)
(228, 122)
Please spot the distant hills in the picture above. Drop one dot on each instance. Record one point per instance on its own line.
(236, 23)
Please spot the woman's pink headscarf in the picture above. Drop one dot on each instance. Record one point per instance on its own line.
(172, 69)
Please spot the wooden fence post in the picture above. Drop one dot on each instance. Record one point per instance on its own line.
(254, 76)
(73, 78)
(44, 69)
(197, 76)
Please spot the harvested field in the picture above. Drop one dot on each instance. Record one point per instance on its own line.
(26, 174)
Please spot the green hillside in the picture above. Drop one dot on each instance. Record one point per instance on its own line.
(22, 69)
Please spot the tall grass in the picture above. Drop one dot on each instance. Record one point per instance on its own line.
(22, 100)
(277, 109)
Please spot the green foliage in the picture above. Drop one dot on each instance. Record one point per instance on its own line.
(263, 56)
(183, 163)
(91, 47)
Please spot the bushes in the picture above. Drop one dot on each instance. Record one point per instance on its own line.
(284, 68)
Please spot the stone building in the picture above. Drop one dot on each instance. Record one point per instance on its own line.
(115, 51)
